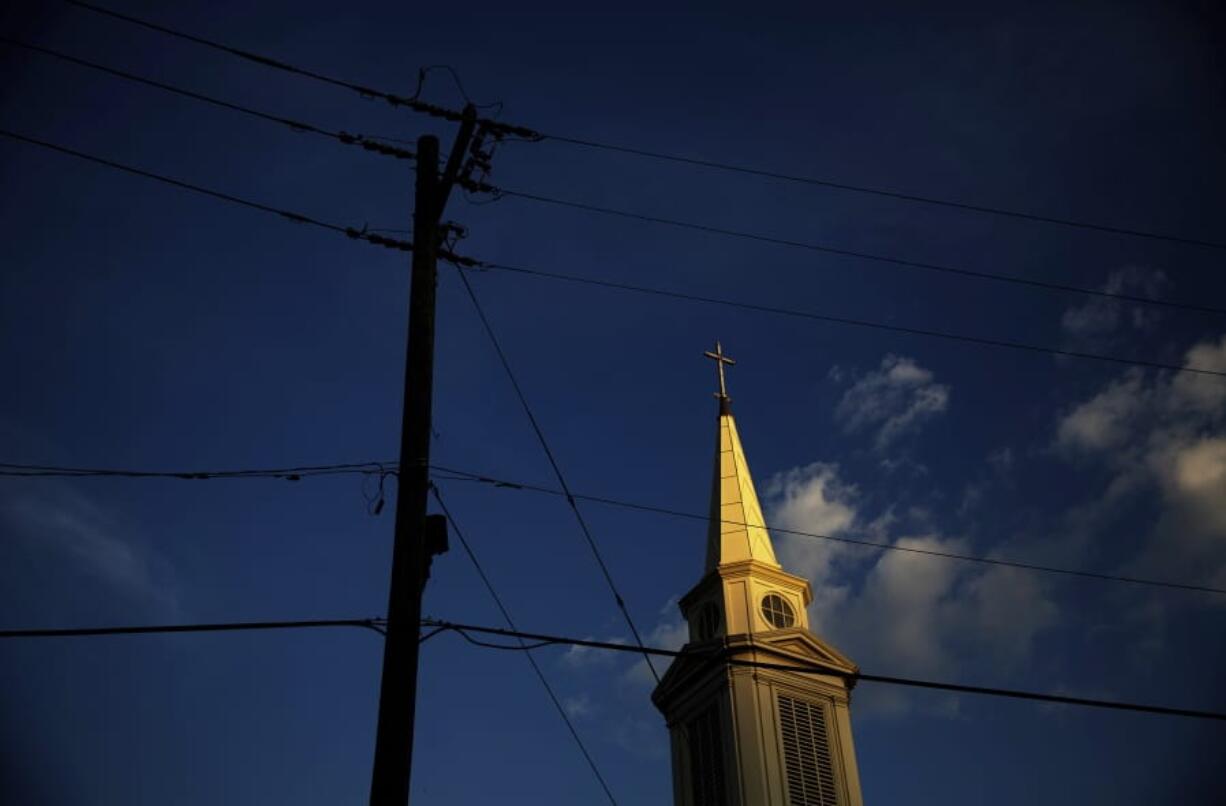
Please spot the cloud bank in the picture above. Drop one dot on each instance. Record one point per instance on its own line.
(1163, 433)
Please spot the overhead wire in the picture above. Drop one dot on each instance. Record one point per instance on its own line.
(434, 110)
(366, 143)
(882, 192)
(376, 624)
(875, 544)
(376, 146)
(506, 617)
(715, 653)
(839, 320)
(294, 473)
(427, 636)
(857, 254)
(553, 463)
(372, 237)
(351, 232)
(532, 135)
(376, 239)
(521, 270)
(721, 652)
(520, 647)
(79, 632)
(297, 218)
(424, 72)
(450, 473)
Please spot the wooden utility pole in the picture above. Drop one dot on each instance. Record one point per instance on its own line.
(412, 548)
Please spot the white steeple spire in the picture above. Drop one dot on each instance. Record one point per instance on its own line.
(737, 530)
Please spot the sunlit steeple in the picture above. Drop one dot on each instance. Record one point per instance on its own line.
(737, 530)
(758, 713)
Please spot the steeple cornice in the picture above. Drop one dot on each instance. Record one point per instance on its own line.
(728, 572)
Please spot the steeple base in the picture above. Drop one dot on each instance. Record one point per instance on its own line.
(761, 735)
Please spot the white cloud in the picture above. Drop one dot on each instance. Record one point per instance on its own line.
(812, 499)
(893, 400)
(1198, 475)
(931, 615)
(632, 722)
(902, 463)
(578, 657)
(57, 519)
(1009, 607)
(1001, 460)
(1101, 318)
(910, 612)
(906, 603)
(1165, 432)
(670, 632)
(1191, 472)
(579, 706)
(1106, 420)
(1201, 394)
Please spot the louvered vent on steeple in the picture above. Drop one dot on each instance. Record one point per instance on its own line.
(706, 758)
(806, 753)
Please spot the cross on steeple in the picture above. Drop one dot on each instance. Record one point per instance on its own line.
(720, 359)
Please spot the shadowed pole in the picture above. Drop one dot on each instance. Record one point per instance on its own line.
(413, 547)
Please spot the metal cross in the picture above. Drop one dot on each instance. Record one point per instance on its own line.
(720, 359)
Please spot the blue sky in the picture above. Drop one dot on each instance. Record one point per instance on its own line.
(146, 327)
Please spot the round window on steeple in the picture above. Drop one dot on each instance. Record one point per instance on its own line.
(707, 626)
(777, 611)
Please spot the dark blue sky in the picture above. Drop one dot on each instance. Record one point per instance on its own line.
(142, 326)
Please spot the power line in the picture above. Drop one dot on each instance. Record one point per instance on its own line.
(413, 103)
(815, 668)
(506, 616)
(504, 130)
(366, 143)
(515, 485)
(892, 194)
(375, 624)
(557, 471)
(286, 473)
(840, 320)
(424, 72)
(402, 245)
(351, 232)
(402, 153)
(520, 647)
(298, 218)
(542, 639)
(493, 126)
(389, 468)
(832, 250)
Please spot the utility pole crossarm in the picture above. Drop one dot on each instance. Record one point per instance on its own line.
(456, 159)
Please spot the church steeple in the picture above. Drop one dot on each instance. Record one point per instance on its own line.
(745, 734)
(736, 530)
